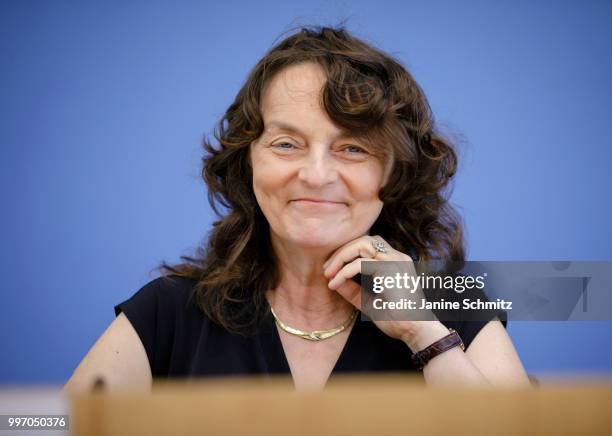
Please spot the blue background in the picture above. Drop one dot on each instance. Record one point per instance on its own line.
(104, 104)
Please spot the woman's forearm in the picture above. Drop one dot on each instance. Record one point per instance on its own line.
(450, 368)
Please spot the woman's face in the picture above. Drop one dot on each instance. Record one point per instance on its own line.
(316, 188)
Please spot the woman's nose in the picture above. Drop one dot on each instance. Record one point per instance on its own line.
(318, 169)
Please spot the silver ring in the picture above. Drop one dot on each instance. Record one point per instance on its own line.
(379, 246)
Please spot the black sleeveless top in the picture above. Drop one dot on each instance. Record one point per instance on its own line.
(181, 341)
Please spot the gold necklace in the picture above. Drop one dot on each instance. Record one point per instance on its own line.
(315, 335)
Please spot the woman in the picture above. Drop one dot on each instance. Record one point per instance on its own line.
(327, 157)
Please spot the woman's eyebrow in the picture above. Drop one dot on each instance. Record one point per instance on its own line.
(282, 125)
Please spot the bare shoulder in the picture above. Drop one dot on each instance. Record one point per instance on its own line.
(118, 356)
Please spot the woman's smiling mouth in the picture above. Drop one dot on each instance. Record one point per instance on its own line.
(304, 202)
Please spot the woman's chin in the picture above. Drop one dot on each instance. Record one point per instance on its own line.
(317, 241)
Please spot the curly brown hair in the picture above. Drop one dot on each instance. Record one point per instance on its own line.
(367, 92)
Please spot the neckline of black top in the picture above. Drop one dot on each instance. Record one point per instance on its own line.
(276, 358)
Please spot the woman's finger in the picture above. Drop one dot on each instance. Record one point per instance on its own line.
(349, 270)
(360, 247)
(351, 292)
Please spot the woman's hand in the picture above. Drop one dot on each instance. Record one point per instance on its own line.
(345, 263)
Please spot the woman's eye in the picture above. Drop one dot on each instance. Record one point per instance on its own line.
(354, 149)
(284, 145)
(350, 149)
